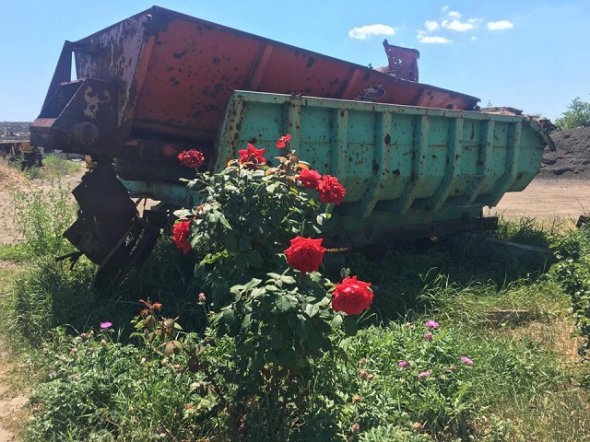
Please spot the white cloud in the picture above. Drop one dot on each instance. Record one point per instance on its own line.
(431, 25)
(456, 25)
(367, 31)
(454, 14)
(423, 38)
(500, 25)
(445, 8)
(473, 38)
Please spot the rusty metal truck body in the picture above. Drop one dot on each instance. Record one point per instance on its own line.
(161, 81)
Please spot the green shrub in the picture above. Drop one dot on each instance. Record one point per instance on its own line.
(573, 273)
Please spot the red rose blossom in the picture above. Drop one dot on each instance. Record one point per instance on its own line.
(252, 155)
(180, 233)
(309, 178)
(331, 191)
(305, 254)
(191, 158)
(282, 141)
(352, 296)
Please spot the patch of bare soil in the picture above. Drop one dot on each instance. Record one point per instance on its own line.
(547, 199)
(12, 400)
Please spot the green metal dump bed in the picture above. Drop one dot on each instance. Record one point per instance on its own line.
(408, 171)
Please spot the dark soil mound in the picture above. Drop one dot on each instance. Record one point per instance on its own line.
(571, 158)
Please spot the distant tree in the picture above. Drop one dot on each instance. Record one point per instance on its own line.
(577, 115)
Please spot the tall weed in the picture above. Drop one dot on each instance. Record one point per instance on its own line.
(40, 216)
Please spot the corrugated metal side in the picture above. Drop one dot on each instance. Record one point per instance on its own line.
(395, 159)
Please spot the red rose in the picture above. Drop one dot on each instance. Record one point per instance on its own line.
(252, 155)
(309, 178)
(305, 254)
(352, 296)
(282, 141)
(331, 191)
(180, 233)
(191, 158)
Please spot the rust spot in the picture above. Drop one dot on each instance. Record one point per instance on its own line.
(180, 54)
(375, 167)
(396, 172)
(216, 60)
(387, 139)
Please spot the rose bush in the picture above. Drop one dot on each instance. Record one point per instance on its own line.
(255, 234)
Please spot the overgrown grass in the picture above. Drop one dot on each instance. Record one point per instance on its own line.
(511, 318)
(54, 167)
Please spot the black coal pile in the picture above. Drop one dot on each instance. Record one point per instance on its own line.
(571, 158)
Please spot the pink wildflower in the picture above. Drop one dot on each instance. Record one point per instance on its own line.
(466, 360)
(105, 325)
(428, 336)
(403, 364)
(424, 375)
(431, 324)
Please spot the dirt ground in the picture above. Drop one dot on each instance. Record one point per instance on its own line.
(11, 400)
(547, 198)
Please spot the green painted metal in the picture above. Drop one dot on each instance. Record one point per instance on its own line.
(402, 166)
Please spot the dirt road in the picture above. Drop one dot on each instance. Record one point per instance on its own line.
(547, 199)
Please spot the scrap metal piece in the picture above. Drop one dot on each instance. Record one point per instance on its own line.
(403, 62)
(109, 229)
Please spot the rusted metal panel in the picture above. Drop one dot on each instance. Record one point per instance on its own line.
(174, 74)
(403, 62)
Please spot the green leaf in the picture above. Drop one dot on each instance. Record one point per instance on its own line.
(182, 213)
(283, 303)
(224, 222)
(229, 317)
(337, 321)
(287, 279)
(247, 321)
(311, 310)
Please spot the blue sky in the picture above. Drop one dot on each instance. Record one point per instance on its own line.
(527, 54)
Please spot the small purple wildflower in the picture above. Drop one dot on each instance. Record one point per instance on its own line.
(424, 375)
(105, 325)
(431, 324)
(403, 364)
(428, 336)
(466, 360)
